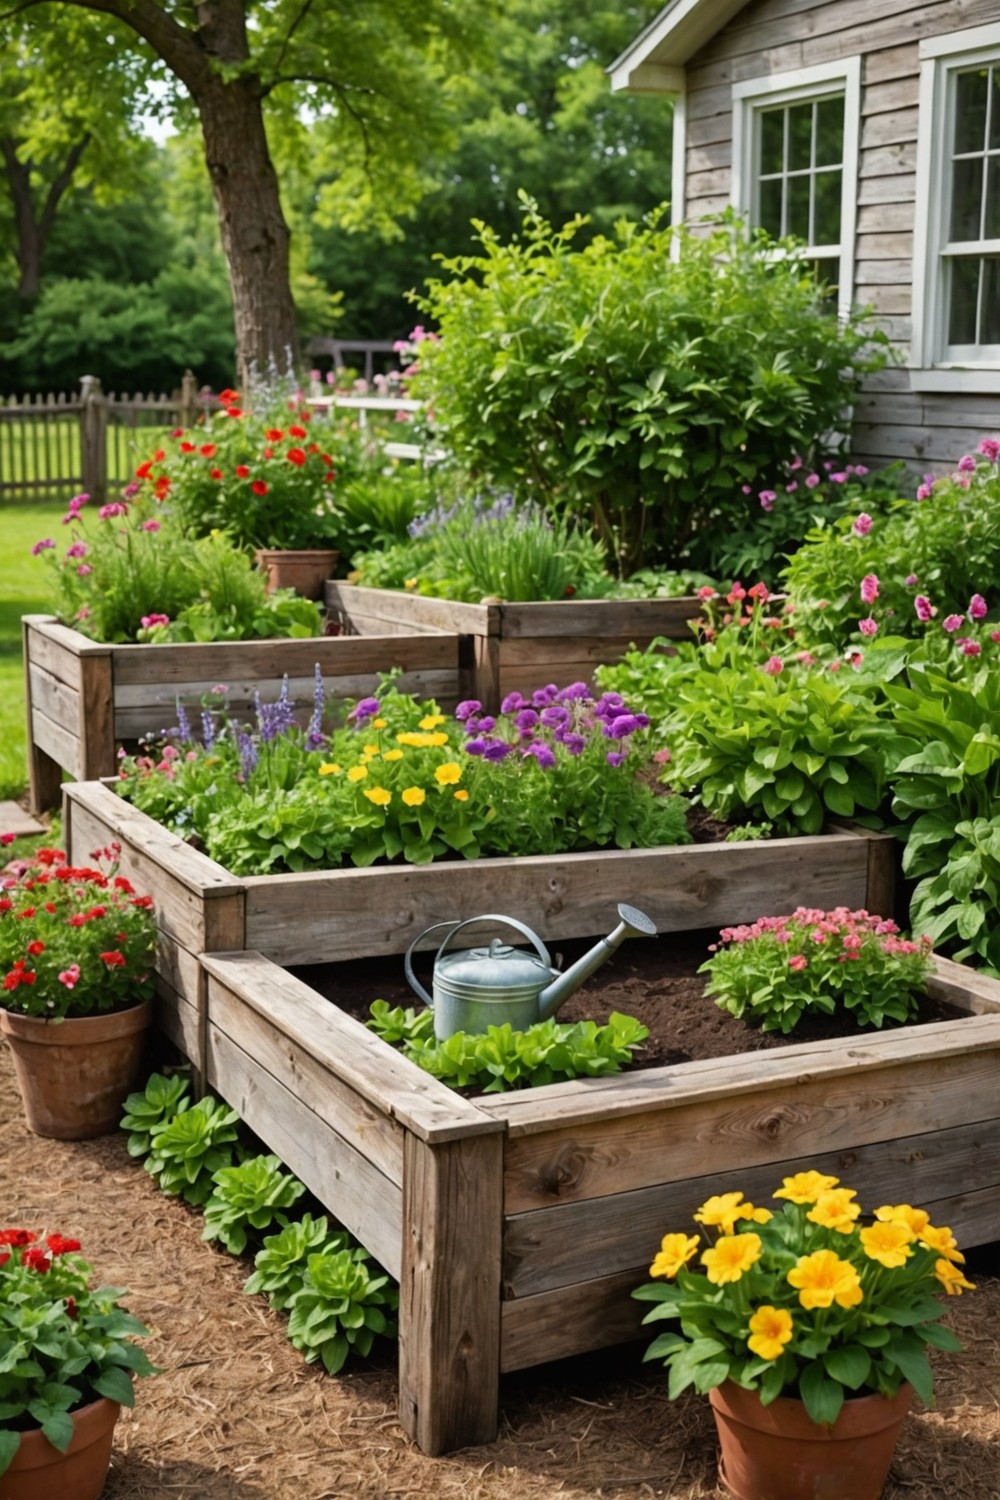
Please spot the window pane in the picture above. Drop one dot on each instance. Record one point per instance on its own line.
(772, 140)
(770, 207)
(970, 110)
(827, 273)
(966, 199)
(989, 332)
(964, 295)
(826, 230)
(991, 228)
(995, 109)
(829, 132)
(800, 131)
(798, 206)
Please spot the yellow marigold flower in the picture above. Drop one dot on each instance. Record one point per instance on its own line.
(393, 755)
(357, 773)
(823, 1278)
(730, 1257)
(378, 795)
(422, 741)
(834, 1210)
(674, 1253)
(370, 749)
(431, 721)
(887, 1242)
(805, 1187)
(754, 1215)
(448, 774)
(380, 723)
(462, 796)
(721, 1211)
(411, 583)
(771, 1329)
(943, 1241)
(329, 768)
(952, 1279)
(413, 796)
(437, 739)
(915, 1219)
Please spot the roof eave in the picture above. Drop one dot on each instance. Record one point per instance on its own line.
(655, 61)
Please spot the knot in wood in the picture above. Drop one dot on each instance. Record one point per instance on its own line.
(775, 1123)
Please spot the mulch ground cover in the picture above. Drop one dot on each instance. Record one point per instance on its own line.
(237, 1414)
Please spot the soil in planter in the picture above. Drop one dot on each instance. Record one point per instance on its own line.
(652, 979)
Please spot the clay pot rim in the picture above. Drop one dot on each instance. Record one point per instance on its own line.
(44, 1031)
(787, 1414)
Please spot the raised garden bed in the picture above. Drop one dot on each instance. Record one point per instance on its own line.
(518, 1224)
(85, 698)
(335, 915)
(517, 646)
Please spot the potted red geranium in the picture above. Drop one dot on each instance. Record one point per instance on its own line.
(76, 981)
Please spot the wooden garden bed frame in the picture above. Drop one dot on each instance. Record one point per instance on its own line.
(522, 646)
(518, 1224)
(85, 698)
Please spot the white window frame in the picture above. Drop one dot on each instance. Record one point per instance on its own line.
(799, 86)
(940, 58)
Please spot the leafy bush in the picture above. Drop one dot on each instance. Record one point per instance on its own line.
(632, 388)
(778, 969)
(250, 1196)
(146, 1112)
(501, 1058)
(341, 1306)
(281, 1262)
(187, 1150)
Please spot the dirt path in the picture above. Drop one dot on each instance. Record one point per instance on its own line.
(237, 1415)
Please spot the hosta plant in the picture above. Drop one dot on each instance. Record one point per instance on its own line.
(63, 1343)
(817, 1299)
(777, 970)
(247, 1199)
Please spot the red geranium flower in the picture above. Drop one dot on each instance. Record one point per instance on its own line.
(17, 1237)
(143, 471)
(274, 434)
(259, 487)
(215, 474)
(296, 456)
(207, 450)
(59, 1245)
(298, 432)
(114, 959)
(189, 447)
(36, 1260)
(242, 472)
(143, 901)
(35, 948)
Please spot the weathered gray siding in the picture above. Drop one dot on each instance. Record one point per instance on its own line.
(778, 36)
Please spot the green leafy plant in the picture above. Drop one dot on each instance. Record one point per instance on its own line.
(148, 1111)
(639, 381)
(186, 1151)
(778, 969)
(250, 1196)
(282, 1260)
(62, 1342)
(501, 1058)
(815, 1301)
(341, 1307)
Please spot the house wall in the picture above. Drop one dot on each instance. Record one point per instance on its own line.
(930, 430)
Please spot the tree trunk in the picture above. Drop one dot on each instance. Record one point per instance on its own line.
(255, 236)
(32, 229)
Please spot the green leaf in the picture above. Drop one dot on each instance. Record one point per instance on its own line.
(116, 1385)
(822, 1397)
(58, 1428)
(850, 1365)
(9, 1444)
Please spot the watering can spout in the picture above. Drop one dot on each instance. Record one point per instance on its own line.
(634, 923)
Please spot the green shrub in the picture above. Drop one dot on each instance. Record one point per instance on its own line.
(633, 389)
(188, 1149)
(248, 1197)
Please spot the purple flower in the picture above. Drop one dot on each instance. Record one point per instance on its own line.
(367, 708)
(496, 750)
(83, 570)
(840, 478)
(615, 757)
(575, 743)
(487, 723)
(542, 753)
(78, 500)
(924, 608)
(526, 720)
(151, 525)
(543, 696)
(574, 691)
(512, 703)
(274, 719)
(990, 448)
(966, 464)
(911, 580)
(42, 546)
(791, 487)
(207, 729)
(248, 754)
(78, 549)
(868, 626)
(767, 499)
(623, 726)
(812, 480)
(183, 723)
(108, 512)
(869, 588)
(555, 717)
(467, 708)
(314, 732)
(475, 747)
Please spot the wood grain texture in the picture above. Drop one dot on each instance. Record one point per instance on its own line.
(347, 600)
(96, 720)
(571, 1320)
(449, 1326)
(44, 772)
(60, 744)
(242, 665)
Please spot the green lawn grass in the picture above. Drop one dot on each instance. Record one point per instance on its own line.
(25, 589)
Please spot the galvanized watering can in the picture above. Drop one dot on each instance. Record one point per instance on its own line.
(480, 987)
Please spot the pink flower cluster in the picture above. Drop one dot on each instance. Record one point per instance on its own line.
(823, 928)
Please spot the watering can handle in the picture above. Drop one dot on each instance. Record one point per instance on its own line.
(526, 931)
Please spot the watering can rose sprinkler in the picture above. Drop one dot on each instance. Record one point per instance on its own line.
(481, 987)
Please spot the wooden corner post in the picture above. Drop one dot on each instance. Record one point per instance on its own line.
(44, 772)
(449, 1295)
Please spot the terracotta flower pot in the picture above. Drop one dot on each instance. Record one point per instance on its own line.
(74, 1074)
(41, 1472)
(778, 1452)
(305, 571)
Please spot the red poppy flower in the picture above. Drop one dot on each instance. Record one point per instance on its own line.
(121, 884)
(29, 911)
(177, 432)
(296, 456)
(162, 486)
(36, 1260)
(114, 959)
(274, 434)
(189, 447)
(259, 487)
(268, 452)
(242, 472)
(17, 1237)
(215, 474)
(142, 472)
(327, 460)
(6, 903)
(35, 948)
(207, 450)
(59, 1245)
(227, 397)
(233, 411)
(159, 456)
(298, 432)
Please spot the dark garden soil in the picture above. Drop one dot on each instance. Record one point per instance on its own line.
(237, 1414)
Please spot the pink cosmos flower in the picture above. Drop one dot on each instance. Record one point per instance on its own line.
(910, 580)
(42, 546)
(989, 448)
(861, 470)
(862, 524)
(840, 478)
(951, 623)
(977, 607)
(747, 489)
(108, 512)
(773, 666)
(791, 487)
(923, 491)
(868, 626)
(83, 570)
(151, 525)
(869, 588)
(924, 608)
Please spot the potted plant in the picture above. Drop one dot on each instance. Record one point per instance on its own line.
(76, 959)
(807, 1328)
(74, 1361)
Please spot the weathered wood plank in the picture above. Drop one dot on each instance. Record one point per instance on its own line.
(61, 744)
(449, 1327)
(888, 161)
(797, 1115)
(554, 1247)
(96, 718)
(359, 1196)
(608, 618)
(893, 192)
(345, 1048)
(344, 599)
(571, 1320)
(44, 772)
(54, 698)
(895, 128)
(324, 917)
(955, 984)
(177, 1018)
(243, 664)
(872, 248)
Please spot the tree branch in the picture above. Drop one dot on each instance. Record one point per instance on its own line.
(296, 23)
(343, 94)
(179, 48)
(61, 182)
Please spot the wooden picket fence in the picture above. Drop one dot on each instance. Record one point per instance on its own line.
(53, 445)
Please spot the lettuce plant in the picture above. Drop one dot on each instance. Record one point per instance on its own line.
(248, 1198)
(187, 1150)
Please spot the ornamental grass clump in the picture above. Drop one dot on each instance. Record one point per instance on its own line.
(63, 1343)
(74, 940)
(777, 970)
(817, 1300)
